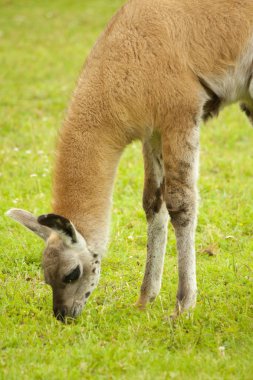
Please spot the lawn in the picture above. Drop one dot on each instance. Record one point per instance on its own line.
(43, 45)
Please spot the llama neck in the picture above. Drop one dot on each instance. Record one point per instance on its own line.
(84, 174)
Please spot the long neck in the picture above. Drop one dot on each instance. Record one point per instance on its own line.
(84, 174)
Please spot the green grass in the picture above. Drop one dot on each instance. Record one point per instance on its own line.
(42, 48)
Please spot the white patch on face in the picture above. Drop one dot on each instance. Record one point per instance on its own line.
(233, 85)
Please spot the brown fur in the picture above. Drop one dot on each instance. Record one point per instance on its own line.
(142, 71)
(158, 68)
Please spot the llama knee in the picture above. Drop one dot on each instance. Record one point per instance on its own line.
(181, 205)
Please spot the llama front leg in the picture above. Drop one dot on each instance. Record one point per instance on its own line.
(181, 152)
(157, 219)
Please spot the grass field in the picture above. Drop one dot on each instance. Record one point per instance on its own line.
(42, 48)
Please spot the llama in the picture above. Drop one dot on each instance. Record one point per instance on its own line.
(159, 68)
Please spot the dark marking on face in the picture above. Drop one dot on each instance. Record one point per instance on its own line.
(96, 262)
(212, 106)
(93, 270)
(95, 255)
(87, 294)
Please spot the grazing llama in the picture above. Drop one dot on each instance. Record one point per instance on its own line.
(159, 68)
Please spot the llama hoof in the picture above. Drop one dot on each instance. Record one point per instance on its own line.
(186, 304)
(173, 316)
(142, 303)
(140, 306)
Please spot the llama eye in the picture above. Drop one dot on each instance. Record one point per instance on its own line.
(72, 276)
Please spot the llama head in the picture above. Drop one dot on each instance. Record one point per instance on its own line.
(69, 267)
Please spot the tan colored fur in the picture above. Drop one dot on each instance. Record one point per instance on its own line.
(158, 68)
(142, 71)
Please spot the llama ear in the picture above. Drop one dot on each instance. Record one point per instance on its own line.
(29, 221)
(61, 225)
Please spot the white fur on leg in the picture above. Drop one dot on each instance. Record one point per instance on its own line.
(187, 286)
(157, 238)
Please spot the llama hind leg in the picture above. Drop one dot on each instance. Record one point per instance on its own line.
(157, 219)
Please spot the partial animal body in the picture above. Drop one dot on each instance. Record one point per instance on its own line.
(159, 68)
